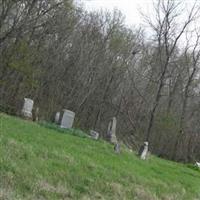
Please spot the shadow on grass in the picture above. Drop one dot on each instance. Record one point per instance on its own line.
(194, 167)
(71, 131)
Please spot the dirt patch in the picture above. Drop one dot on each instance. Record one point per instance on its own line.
(60, 190)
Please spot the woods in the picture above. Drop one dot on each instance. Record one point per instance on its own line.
(62, 56)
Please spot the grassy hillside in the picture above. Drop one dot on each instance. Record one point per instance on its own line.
(37, 162)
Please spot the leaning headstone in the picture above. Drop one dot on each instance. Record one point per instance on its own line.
(143, 152)
(112, 131)
(27, 108)
(197, 164)
(117, 148)
(94, 135)
(67, 119)
(57, 118)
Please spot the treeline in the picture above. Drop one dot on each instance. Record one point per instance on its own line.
(89, 62)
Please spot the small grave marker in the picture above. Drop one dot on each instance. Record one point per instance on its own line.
(94, 135)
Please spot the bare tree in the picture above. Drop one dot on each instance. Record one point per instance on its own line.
(192, 56)
(167, 38)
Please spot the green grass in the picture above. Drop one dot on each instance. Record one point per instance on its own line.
(41, 162)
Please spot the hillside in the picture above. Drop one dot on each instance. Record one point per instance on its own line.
(37, 162)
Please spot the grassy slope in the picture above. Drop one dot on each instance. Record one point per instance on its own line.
(41, 163)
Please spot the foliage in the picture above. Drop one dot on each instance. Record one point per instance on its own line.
(41, 163)
(76, 132)
(64, 57)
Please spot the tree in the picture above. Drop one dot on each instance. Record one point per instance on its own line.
(167, 36)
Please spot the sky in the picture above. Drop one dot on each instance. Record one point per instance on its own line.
(130, 8)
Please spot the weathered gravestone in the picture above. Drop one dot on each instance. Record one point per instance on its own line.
(143, 152)
(117, 148)
(67, 119)
(94, 135)
(57, 118)
(111, 133)
(27, 108)
(197, 164)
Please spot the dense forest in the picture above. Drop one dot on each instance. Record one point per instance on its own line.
(62, 56)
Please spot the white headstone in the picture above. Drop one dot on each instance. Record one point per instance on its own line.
(67, 119)
(112, 130)
(144, 153)
(57, 117)
(197, 164)
(27, 108)
(94, 134)
(117, 148)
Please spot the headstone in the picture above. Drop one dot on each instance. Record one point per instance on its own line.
(117, 148)
(57, 118)
(197, 164)
(27, 108)
(67, 119)
(112, 131)
(94, 135)
(143, 151)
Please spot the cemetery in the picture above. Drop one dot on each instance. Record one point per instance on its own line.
(64, 150)
(99, 100)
